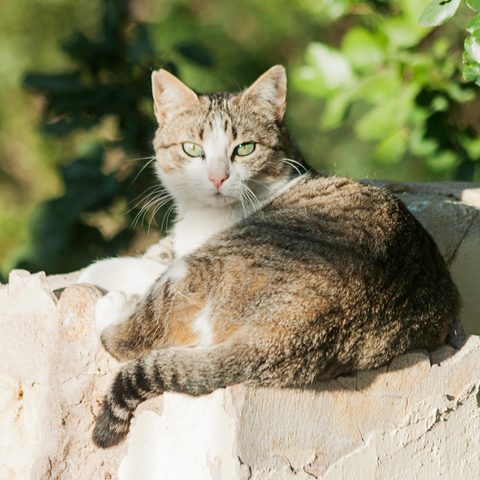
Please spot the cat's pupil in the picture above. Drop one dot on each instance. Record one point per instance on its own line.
(192, 149)
(245, 149)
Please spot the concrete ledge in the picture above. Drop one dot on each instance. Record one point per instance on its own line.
(412, 419)
(417, 417)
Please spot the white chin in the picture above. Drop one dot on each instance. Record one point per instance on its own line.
(220, 200)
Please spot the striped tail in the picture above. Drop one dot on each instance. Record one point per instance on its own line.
(184, 370)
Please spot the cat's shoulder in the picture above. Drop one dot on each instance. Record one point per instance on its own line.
(336, 191)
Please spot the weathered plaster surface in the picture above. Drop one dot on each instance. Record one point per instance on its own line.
(417, 418)
(53, 374)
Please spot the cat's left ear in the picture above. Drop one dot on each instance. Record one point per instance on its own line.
(169, 94)
(270, 88)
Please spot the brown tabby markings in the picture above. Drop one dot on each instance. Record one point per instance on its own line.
(328, 277)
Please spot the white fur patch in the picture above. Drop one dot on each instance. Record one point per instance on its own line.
(203, 326)
(197, 226)
(109, 310)
(177, 271)
(133, 276)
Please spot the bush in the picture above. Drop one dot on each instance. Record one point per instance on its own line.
(375, 94)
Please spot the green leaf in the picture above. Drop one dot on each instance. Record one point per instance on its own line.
(391, 149)
(441, 162)
(379, 88)
(474, 4)
(309, 81)
(472, 72)
(363, 49)
(385, 119)
(471, 146)
(335, 110)
(421, 146)
(459, 94)
(472, 46)
(440, 47)
(333, 67)
(438, 12)
(401, 33)
(439, 104)
(327, 9)
(473, 24)
(412, 9)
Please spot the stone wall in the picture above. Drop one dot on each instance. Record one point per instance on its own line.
(418, 417)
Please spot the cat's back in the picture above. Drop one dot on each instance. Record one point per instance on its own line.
(337, 253)
(343, 205)
(332, 216)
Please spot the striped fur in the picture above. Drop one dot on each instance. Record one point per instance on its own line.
(327, 277)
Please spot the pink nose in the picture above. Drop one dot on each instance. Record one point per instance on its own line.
(217, 180)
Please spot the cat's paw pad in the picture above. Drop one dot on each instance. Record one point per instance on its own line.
(109, 310)
(161, 252)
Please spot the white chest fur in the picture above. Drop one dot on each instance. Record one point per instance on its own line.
(195, 227)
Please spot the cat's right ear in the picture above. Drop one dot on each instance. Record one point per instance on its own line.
(271, 90)
(169, 94)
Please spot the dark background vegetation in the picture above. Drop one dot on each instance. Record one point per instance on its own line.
(371, 94)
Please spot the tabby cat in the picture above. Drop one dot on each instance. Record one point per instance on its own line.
(314, 278)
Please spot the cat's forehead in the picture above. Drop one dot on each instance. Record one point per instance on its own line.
(225, 111)
(218, 105)
(219, 115)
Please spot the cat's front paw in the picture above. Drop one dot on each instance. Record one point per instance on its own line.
(162, 251)
(110, 310)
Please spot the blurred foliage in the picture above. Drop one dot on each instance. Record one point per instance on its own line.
(400, 87)
(111, 79)
(440, 11)
(371, 94)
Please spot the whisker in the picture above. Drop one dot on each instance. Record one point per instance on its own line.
(166, 216)
(252, 198)
(156, 203)
(242, 203)
(141, 158)
(263, 184)
(143, 168)
(292, 163)
(141, 198)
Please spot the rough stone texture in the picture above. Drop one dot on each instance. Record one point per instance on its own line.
(416, 418)
(53, 373)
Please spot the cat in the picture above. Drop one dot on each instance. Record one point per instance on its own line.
(216, 188)
(321, 277)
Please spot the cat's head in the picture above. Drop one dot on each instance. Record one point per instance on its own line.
(222, 149)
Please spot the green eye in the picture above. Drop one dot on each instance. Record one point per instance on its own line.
(245, 149)
(192, 149)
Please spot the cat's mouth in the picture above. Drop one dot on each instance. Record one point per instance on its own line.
(220, 199)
